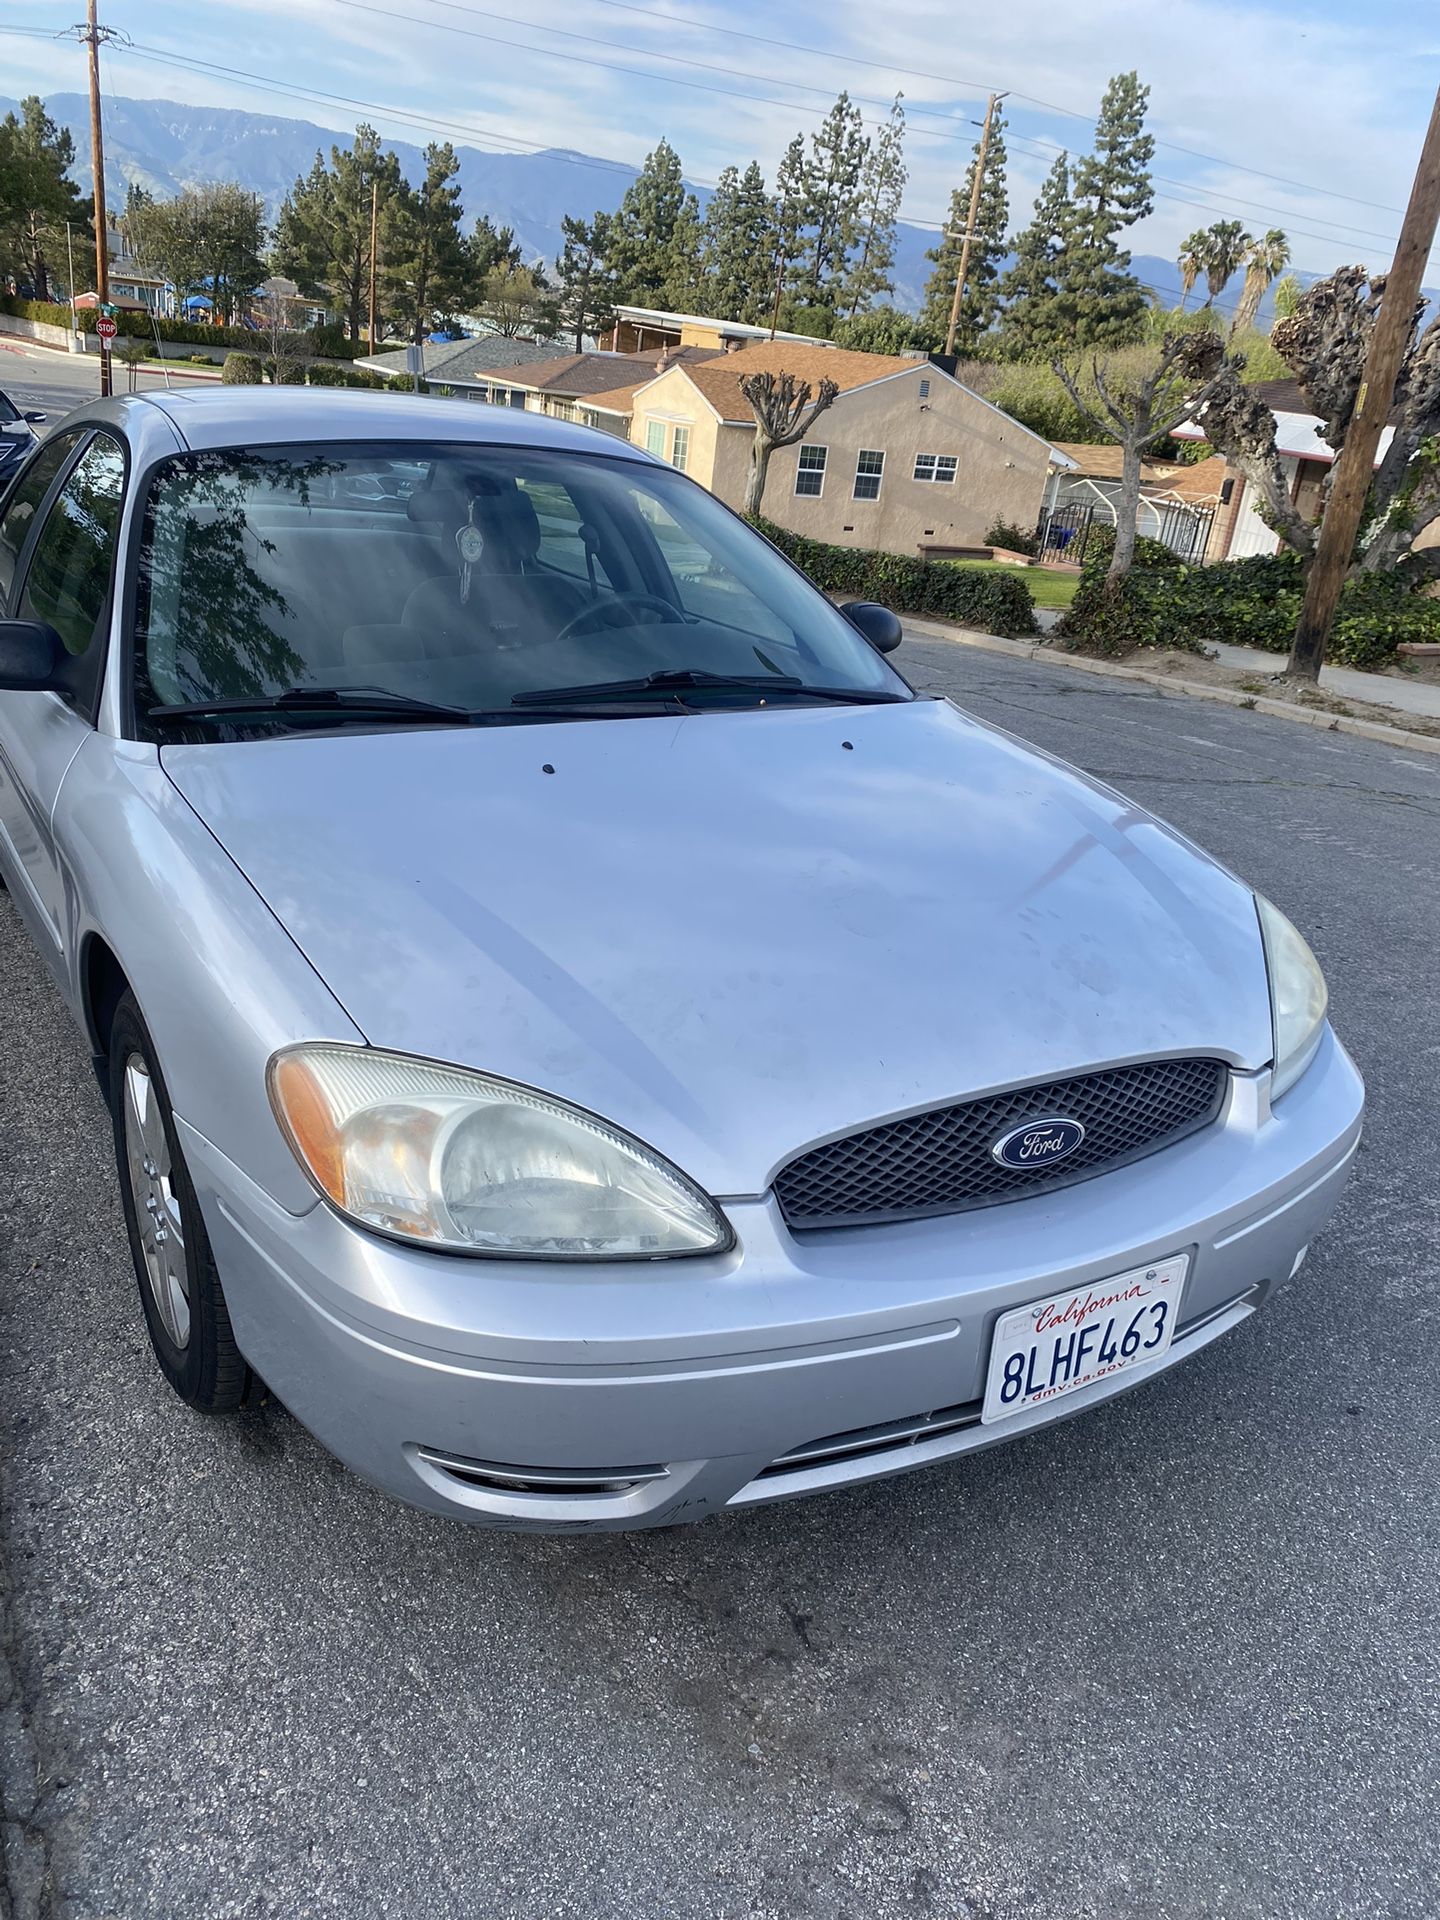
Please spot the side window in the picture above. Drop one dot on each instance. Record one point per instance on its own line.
(561, 545)
(73, 560)
(23, 503)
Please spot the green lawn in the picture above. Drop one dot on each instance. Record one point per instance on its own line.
(1047, 588)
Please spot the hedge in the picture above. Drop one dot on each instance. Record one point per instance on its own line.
(329, 341)
(1253, 602)
(970, 596)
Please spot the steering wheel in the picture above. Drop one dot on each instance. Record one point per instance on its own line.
(605, 610)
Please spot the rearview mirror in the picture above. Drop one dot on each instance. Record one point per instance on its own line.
(879, 625)
(31, 656)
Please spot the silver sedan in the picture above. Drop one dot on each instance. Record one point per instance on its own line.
(581, 1031)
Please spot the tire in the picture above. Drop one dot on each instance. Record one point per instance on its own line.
(174, 1267)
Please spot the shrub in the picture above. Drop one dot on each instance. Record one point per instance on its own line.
(1253, 602)
(242, 370)
(330, 343)
(996, 602)
(1002, 534)
(146, 326)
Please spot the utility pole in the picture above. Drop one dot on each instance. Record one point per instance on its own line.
(1355, 468)
(970, 234)
(92, 34)
(374, 230)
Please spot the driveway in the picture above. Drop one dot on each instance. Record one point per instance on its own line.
(1176, 1658)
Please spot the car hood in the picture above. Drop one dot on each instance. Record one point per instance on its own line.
(735, 934)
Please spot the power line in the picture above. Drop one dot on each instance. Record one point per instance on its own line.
(482, 136)
(978, 87)
(731, 93)
(912, 111)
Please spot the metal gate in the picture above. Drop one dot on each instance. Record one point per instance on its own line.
(1064, 531)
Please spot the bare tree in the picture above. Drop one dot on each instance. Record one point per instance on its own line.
(779, 402)
(1138, 411)
(1324, 341)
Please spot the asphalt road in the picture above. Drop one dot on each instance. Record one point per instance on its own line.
(1176, 1658)
(54, 382)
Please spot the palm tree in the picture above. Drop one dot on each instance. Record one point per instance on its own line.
(1226, 243)
(1264, 261)
(1191, 263)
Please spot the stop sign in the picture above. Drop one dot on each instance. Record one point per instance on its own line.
(107, 328)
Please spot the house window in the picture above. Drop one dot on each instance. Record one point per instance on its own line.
(655, 438)
(869, 466)
(939, 467)
(680, 448)
(561, 409)
(810, 474)
(517, 396)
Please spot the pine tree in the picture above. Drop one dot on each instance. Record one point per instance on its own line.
(788, 223)
(738, 247)
(642, 253)
(833, 170)
(987, 253)
(322, 236)
(685, 273)
(437, 275)
(1031, 326)
(1102, 304)
(489, 250)
(37, 195)
(882, 183)
(585, 289)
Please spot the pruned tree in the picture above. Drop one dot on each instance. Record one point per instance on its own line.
(1324, 341)
(785, 409)
(1136, 411)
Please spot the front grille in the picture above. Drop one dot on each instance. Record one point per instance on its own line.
(894, 1436)
(940, 1161)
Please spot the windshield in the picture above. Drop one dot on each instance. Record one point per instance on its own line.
(477, 578)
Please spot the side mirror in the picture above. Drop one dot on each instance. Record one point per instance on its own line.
(31, 657)
(36, 419)
(878, 624)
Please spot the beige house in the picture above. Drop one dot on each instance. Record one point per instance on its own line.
(905, 459)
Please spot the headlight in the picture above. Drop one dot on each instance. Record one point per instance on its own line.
(457, 1159)
(1298, 997)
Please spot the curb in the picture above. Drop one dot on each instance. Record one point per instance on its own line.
(1224, 696)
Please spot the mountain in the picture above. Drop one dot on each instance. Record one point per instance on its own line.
(163, 145)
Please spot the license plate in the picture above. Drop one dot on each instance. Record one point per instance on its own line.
(1053, 1347)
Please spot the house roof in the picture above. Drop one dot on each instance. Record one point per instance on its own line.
(1194, 480)
(718, 378)
(619, 399)
(459, 361)
(661, 318)
(1297, 428)
(582, 374)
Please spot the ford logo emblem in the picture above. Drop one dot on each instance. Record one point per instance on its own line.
(1039, 1143)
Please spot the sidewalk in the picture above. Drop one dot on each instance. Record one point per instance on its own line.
(1397, 711)
(1382, 689)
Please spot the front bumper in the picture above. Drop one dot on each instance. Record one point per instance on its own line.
(540, 1396)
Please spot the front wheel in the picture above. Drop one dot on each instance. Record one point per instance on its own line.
(180, 1289)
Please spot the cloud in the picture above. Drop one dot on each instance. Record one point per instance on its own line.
(1338, 102)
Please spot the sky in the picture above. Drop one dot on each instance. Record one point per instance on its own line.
(1302, 114)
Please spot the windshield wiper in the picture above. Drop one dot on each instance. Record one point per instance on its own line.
(674, 680)
(361, 701)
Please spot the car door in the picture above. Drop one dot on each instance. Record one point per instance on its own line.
(57, 564)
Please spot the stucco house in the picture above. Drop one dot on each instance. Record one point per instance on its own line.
(906, 459)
